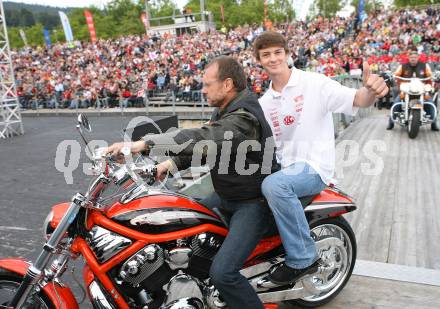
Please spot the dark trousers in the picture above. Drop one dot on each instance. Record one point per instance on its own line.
(248, 222)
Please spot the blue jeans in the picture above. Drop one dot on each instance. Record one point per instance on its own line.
(53, 103)
(126, 103)
(282, 191)
(248, 222)
(74, 104)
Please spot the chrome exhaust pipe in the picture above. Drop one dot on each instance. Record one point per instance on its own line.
(185, 303)
(97, 297)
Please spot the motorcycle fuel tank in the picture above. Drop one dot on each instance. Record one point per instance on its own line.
(162, 213)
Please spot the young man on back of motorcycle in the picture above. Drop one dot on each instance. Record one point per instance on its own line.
(419, 69)
(238, 118)
(298, 106)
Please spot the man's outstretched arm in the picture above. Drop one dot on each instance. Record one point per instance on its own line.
(374, 87)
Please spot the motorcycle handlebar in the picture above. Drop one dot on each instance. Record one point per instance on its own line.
(118, 170)
(411, 78)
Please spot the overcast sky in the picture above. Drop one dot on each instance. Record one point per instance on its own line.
(301, 6)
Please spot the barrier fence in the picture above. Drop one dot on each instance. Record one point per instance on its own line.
(201, 111)
(342, 121)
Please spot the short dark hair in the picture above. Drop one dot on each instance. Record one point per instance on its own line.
(413, 50)
(228, 67)
(269, 39)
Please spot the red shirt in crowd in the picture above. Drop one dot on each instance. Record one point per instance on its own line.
(67, 95)
(126, 93)
(151, 85)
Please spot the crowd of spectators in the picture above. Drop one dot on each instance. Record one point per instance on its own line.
(123, 71)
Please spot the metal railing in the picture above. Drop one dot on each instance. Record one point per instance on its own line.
(342, 121)
(202, 114)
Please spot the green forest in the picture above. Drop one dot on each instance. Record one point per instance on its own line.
(122, 17)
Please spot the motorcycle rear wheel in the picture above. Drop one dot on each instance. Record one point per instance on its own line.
(340, 263)
(9, 283)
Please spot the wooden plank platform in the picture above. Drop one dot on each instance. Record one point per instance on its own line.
(398, 219)
(368, 293)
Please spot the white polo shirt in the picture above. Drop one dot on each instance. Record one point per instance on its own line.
(301, 119)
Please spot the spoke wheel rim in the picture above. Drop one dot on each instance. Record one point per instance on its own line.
(336, 253)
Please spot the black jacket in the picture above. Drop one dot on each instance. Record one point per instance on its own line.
(419, 70)
(237, 168)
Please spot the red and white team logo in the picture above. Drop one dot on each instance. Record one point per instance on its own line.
(288, 120)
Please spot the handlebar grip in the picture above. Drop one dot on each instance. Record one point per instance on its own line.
(151, 180)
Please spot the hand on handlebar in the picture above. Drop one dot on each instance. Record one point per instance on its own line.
(162, 169)
(119, 150)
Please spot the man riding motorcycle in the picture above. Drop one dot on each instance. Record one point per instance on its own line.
(238, 118)
(414, 68)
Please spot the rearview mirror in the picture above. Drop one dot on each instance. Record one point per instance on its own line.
(84, 122)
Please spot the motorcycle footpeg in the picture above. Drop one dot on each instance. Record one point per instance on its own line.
(265, 283)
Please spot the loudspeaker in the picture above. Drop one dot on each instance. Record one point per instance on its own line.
(161, 125)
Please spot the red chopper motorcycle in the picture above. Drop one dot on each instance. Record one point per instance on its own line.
(152, 248)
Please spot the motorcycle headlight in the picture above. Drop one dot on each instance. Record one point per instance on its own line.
(416, 87)
(47, 228)
(404, 87)
(428, 88)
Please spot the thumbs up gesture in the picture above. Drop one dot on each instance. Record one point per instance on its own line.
(374, 84)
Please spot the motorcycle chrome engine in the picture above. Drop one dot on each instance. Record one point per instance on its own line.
(142, 265)
(206, 245)
(178, 258)
(183, 292)
(106, 244)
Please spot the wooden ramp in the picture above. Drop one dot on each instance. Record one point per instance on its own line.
(398, 219)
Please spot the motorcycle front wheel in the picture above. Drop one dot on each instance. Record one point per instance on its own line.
(9, 283)
(414, 123)
(337, 250)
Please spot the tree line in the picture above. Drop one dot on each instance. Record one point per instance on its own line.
(122, 17)
(27, 15)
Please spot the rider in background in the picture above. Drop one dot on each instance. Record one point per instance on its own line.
(414, 68)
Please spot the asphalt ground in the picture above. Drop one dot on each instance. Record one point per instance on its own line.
(34, 174)
(30, 182)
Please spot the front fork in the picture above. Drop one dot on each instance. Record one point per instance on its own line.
(393, 107)
(34, 273)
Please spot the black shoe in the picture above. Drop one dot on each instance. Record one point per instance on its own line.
(284, 274)
(434, 126)
(390, 124)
